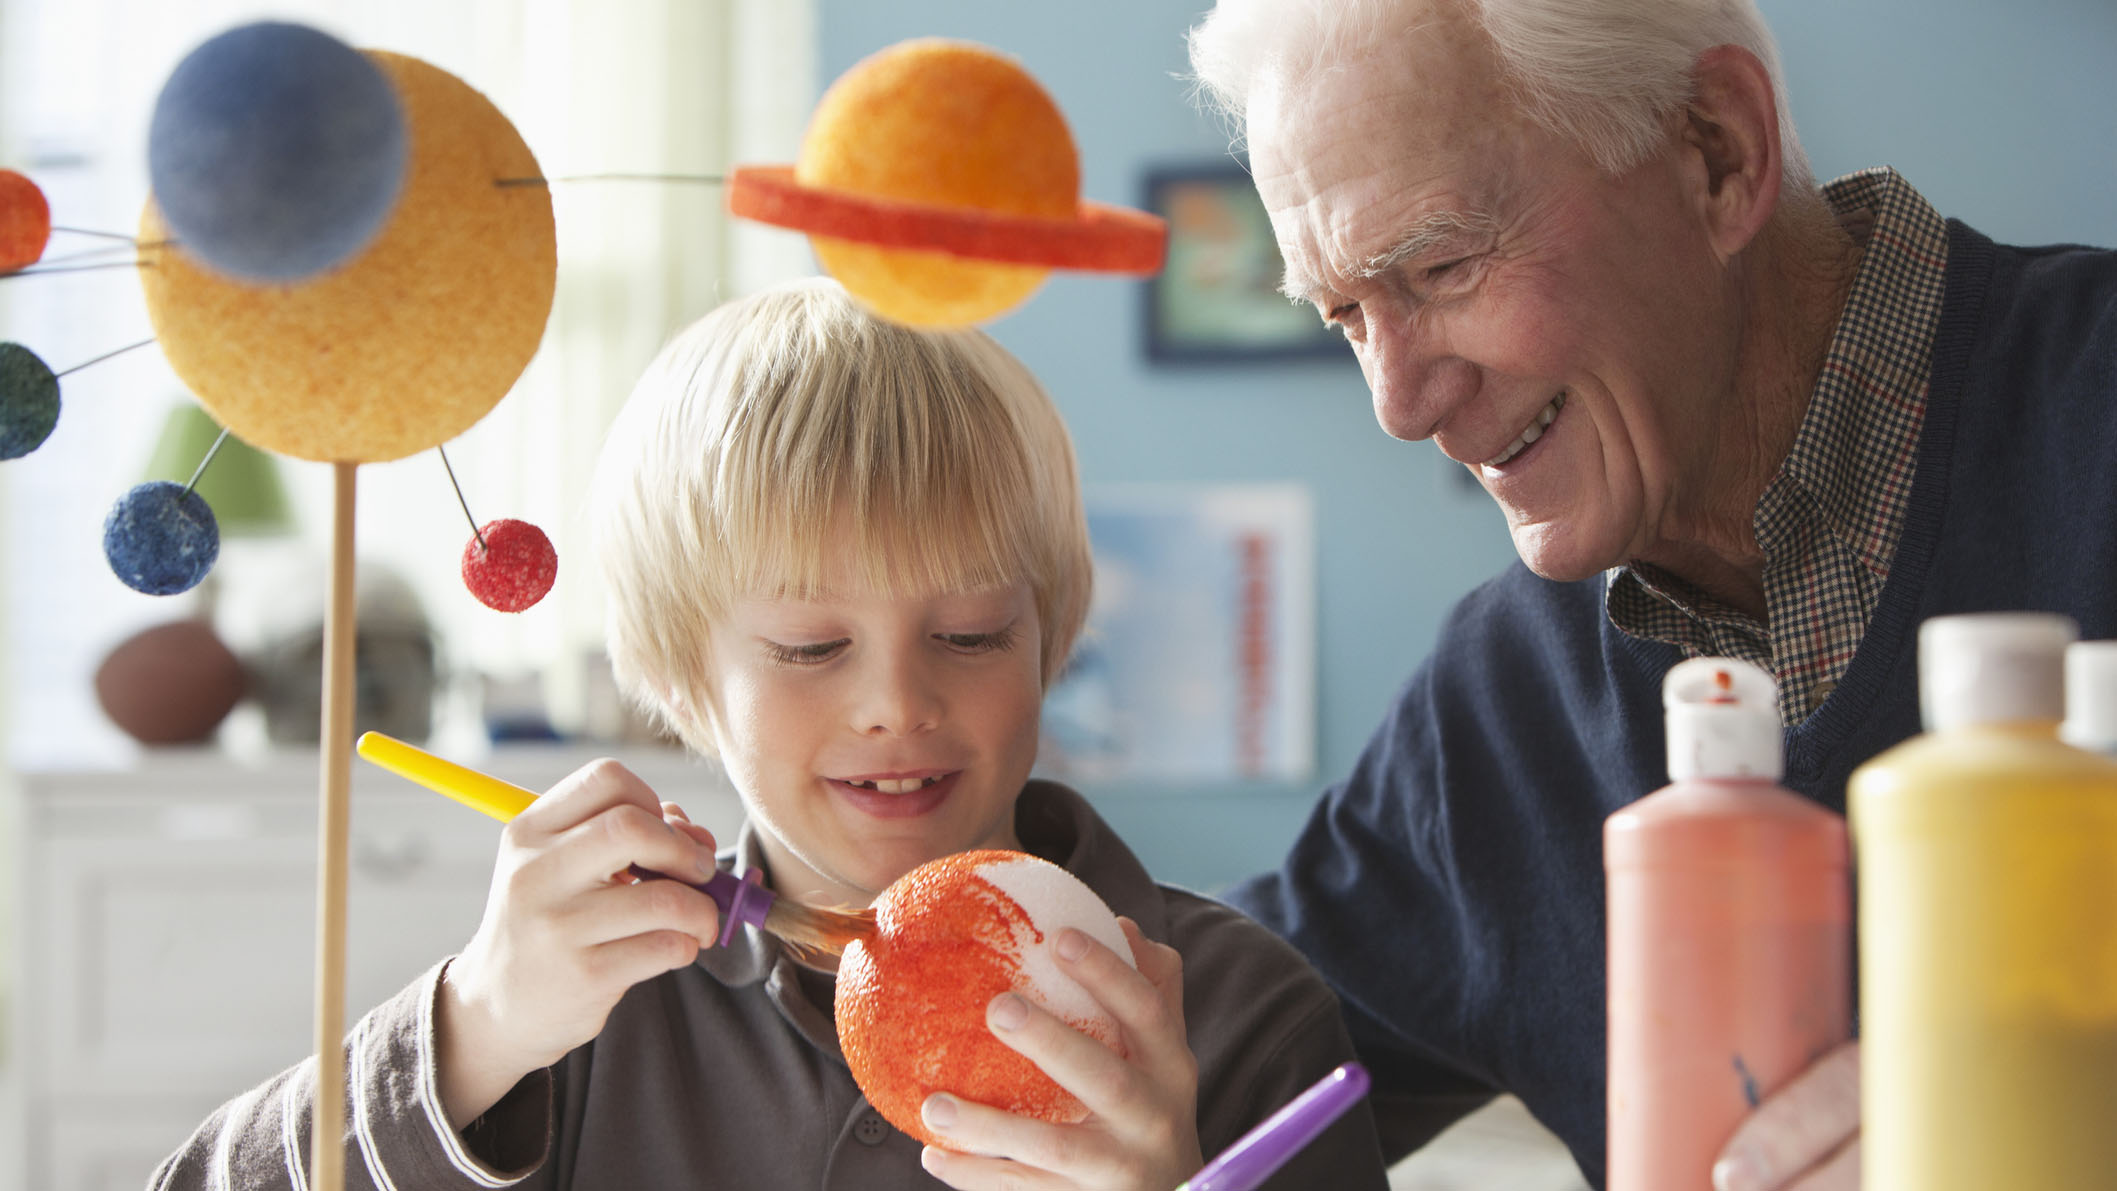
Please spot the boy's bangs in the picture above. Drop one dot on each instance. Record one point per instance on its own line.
(887, 540)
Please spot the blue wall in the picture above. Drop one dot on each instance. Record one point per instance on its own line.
(2001, 114)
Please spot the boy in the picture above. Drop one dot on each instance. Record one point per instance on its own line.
(845, 559)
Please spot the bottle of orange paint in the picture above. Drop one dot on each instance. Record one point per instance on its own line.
(1730, 959)
(1988, 921)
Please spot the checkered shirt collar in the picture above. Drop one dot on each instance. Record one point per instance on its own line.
(1839, 501)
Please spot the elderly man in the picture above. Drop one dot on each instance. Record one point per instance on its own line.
(1576, 244)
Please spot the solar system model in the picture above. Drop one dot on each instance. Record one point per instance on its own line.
(349, 257)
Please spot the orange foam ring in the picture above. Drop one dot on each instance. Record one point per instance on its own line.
(1104, 239)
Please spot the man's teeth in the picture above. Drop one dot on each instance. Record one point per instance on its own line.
(1534, 431)
(895, 786)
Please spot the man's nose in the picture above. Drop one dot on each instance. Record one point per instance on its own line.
(1415, 380)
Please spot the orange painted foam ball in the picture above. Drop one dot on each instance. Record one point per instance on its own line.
(412, 340)
(948, 123)
(25, 221)
(949, 937)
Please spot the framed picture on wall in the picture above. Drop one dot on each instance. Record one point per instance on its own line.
(1198, 663)
(1217, 300)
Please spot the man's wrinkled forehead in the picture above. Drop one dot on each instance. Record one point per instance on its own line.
(1399, 133)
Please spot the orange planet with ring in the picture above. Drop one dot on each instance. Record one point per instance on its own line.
(939, 183)
(409, 343)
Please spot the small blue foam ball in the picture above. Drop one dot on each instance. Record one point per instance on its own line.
(161, 538)
(29, 401)
(276, 152)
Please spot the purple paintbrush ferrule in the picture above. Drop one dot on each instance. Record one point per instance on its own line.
(1256, 1154)
(742, 901)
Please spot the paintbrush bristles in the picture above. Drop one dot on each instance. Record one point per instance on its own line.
(816, 930)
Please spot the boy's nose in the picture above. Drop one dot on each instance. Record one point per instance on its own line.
(899, 703)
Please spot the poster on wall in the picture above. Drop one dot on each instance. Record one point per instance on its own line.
(1198, 661)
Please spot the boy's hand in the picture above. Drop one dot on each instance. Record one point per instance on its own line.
(1142, 1128)
(567, 930)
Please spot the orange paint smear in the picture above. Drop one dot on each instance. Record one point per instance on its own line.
(1103, 238)
(911, 1000)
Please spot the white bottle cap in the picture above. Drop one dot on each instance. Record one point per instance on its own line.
(1993, 668)
(2091, 696)
(1723, 720)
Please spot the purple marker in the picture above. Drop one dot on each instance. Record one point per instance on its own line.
(1256, 1154)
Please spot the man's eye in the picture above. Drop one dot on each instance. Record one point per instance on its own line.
(1347, 318)
(1436, 272)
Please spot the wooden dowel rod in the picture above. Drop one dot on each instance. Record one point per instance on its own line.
(333, 825)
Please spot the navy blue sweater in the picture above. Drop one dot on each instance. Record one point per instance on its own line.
(1451, 889)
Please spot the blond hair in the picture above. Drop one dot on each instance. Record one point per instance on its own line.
(791, 430)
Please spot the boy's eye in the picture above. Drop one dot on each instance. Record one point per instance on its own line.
(979, 642)
(805, 655)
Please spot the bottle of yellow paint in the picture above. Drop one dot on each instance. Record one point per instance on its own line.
(1987, 854)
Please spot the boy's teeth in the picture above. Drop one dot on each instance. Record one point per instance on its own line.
(894, 786)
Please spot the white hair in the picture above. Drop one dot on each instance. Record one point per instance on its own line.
(1604, 74)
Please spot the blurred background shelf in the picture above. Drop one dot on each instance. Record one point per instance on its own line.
(169, 924)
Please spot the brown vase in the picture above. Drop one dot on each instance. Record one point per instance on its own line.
(170, 684)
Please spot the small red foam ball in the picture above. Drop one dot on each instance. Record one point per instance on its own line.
(509, 564)
(950, 936)
(25, 222)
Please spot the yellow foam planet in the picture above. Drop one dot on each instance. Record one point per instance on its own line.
(409, 343)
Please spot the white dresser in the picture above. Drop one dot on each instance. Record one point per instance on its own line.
(166, 924)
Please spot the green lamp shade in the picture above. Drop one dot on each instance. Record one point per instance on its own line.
(242, 484)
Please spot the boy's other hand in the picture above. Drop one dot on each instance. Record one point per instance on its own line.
(567, 930)
(1142, 1128)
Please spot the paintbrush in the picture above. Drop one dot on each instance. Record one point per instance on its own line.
(807, 929)
(1264, 1149)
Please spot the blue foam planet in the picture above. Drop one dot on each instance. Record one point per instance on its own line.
(161, 538)
(276, 152)
(29, 401)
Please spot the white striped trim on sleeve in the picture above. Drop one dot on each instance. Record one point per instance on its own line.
(362, 1130)
(218, 1177)
(429, 1097)
(290, 1114)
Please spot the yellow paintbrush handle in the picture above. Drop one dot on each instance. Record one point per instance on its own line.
(480, 792)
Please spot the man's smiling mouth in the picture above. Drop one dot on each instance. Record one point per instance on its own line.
(1530, 433)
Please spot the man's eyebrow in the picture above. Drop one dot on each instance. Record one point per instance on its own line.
(1423, 236)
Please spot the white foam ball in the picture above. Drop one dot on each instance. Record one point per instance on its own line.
(1055, 899)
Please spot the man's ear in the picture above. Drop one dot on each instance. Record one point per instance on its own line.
(1730, 140)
